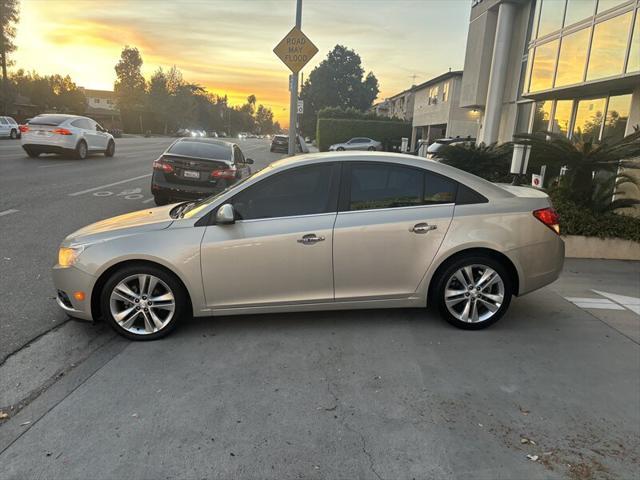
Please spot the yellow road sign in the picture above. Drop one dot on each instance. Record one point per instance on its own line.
(295, 50)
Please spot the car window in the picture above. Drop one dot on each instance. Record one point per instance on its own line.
(438, 189)
(385, 186)
(3, 122)
(197, 149)
(52, 120)
(299, 191)
(238, 157)
(81, 123)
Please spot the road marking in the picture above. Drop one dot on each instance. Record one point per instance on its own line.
(632, 303)
(148, 200)
(89, 190)
(612, 302)
(55, 165)
(8, 212)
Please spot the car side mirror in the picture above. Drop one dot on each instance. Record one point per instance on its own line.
(225, 215)
(248, 161)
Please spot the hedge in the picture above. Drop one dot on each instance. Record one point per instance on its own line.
(334, 130)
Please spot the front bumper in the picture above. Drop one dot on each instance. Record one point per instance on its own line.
(67, 281)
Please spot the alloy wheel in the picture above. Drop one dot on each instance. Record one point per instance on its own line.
(474, 293)
(142, 304)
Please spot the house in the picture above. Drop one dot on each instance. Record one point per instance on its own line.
(102, 107)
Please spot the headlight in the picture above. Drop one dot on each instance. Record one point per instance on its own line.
(67, 256)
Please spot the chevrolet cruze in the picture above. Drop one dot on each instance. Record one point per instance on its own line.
(317, 232)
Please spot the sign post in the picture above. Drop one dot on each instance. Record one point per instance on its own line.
(295, 50)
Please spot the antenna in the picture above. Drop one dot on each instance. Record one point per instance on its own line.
(413, 78)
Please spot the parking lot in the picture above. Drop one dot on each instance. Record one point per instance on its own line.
(551, 391)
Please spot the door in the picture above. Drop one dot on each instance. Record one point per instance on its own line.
(103, 136)
(279, 251)
(391, 222)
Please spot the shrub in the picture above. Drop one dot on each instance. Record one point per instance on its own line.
(334, 130)
(337, 112)
(491, 162)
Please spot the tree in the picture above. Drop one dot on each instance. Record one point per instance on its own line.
(338, 81)
(264, 120)
(130, 87)
(67, 97)
(9, 14)
(158, 98)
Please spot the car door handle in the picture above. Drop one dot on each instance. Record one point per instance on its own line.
(422, 228)
(310, 238)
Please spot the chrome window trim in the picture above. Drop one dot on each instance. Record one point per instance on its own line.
(308, 215)
(395, 209)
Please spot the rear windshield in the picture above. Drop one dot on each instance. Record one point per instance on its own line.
(213, 151)
(48, 120)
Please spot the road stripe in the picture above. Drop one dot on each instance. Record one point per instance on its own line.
(8, 212)
(55, 165)
(89, 190)
(148, 200)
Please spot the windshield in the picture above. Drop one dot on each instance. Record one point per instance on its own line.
(196, 207)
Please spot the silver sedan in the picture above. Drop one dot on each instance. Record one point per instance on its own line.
(317, 232)
(357, 143)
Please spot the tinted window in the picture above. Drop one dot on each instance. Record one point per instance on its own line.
(385, 186)
(467, 196)
(48, 120)
(300, 191)
(438, 189)
(238, 157)
(210, 150)
(82, 123)
(3, 122)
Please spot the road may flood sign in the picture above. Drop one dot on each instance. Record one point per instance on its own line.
(295, 50)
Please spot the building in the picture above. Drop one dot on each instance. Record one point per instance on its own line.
(401, 105)
(102, 107)
(381, 109)
(570, 66)
(437, 113)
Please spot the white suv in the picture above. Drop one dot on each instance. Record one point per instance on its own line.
(9, 128)
(67, 135)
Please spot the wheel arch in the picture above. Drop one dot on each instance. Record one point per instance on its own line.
(96, 292)
(483, 251)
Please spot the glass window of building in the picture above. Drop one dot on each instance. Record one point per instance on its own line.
(544, 65)
(615, 122)
(573, 57)
(551, 15)
(609, 47)
(541, 117)
(589, 115)
(562, 117)
(523, 115)
(445, 92)
(634, 54)
(579, 10)
(604, 5)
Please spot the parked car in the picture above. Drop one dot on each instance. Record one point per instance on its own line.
(317, 232)
(66, 134)
(280, 144)
(194, 168)
(9, 128)
(432, 150)
(357, 143)
(242, 135)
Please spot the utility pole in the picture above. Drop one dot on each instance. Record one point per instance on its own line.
(293, 86)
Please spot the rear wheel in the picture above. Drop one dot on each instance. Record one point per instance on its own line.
(143, 302)
(372, 149)
(81, 150)
(473, 292)
(13, 134)
(111, 149)
(340, 149)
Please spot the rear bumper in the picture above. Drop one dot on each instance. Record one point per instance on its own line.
(49, 149)
(280, 148)
(179, 191)
(67, 281)
(539, 264)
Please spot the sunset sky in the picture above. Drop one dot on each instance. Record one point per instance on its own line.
(227, 46)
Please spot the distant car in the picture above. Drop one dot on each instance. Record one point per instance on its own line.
(280, 144)
(9, 128)
(67, 135)
(242, 135)
(357, 143)
(195, 168)
(432, 150)
(213, 134)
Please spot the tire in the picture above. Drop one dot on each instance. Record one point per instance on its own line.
(160, 200)
(140, 324)
(372, 149)
(13, 134)
(340, 149)
(111, 149)
(451, 279)
(81, 151)
(31, 153)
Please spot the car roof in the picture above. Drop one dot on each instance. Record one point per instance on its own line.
(479, 184)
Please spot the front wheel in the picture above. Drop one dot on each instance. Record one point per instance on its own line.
(111, 149)
(143, 302)
(473, 292)
(340, 149)
(81, 150)
(372, 149)
(13, 134)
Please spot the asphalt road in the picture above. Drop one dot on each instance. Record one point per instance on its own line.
(43, 200)
(551, 391)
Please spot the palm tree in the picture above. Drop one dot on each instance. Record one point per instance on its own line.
(584, 158)
(490, 162)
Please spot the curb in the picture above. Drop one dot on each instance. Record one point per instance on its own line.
(577, 246)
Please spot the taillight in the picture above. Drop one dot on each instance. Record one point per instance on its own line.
(62, 131)
(164, 166)
(23, 128)
(549, 217)
(224, 173)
